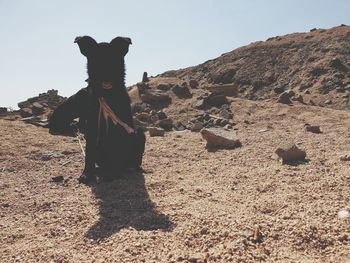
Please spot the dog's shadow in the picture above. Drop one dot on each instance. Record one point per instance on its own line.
(125, 203)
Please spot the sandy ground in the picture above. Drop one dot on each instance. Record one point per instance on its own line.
(191, 205)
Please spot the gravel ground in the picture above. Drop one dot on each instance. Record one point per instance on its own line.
(189, 205)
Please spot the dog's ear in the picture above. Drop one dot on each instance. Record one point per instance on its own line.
(86, 44)
(121, 44)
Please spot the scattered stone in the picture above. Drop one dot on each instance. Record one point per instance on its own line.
(199, 104)
(139, 124)
(193, 84)
(328, 102)
(26, 112)
(57, 179)
(50, 98)
(166, 124)
(284, 98)
(216, 100)
(343, 213)
(46, 156)
(3, 110)
(338, 64)
(298, 98)
(345, 157)
(156, 98)
(37, 108)
(289, 152)
(312, 103)
(226, 114)
(228, 127)
(218, 138)
(144, 117)
(179, 126)
(197, 126)
(161, 115)
(278, 89)
(312, 128)
(181, 91)
(154, 131)
(138, 107)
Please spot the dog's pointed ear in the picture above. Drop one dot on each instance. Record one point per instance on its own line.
(86, 44)
(121, 44)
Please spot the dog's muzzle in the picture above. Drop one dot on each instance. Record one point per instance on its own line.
(106, 85)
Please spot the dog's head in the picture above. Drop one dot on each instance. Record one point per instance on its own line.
(105, 60)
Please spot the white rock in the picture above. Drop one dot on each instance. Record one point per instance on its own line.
(343, 213)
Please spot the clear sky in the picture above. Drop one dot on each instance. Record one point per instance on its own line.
(37, 52)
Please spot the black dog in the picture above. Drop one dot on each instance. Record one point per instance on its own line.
(104, 111)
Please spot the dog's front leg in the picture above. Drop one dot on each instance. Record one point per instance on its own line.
(89, 174)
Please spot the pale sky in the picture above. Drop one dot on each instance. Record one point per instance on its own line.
(37, 52)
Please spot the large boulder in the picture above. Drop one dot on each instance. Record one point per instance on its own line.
(26, 112)
(156, 98)
(218, 138)
(37, 108)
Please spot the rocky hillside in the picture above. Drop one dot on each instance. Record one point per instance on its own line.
(315, 65)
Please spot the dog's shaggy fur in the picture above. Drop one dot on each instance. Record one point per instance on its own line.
(109, 146)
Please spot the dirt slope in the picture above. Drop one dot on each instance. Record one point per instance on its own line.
(315, 65)
(191, 205)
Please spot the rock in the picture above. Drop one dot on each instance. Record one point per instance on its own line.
(144, 117)
(50, 98)
(216, 100)
(193, 84)
(312, 128)
(226, 114)
(197, 126)
(154, 118)
(199, 104)
(181, 91)
(228, 127)
(139, 124)
(345, 157)
(164, 87)
(338, 64)
(57, 179)
(291, 93)
(343, 213)
(289, 152)
(328, 102)
(278, 89)
(26, 112)
(179, 126)
(37, 108)
(161, 115)
(3, 110)
(142, 87)
(46, 156)
(218, 138)
(138, 107)
(284, 98)
(145, 77)
(156, 98)
(298, 98)
(166, 124)
(154, 131)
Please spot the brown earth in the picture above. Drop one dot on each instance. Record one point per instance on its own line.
(190, 205)
(315, 65)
